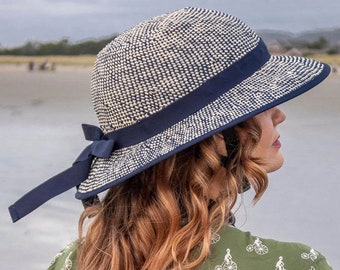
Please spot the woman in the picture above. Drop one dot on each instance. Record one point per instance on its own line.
(187, 106)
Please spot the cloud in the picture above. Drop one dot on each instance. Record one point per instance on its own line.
(23, 20)
(51, 8)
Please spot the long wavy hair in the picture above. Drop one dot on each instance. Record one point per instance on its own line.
(164, 217)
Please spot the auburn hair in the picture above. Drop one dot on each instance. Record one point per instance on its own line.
(163, 217)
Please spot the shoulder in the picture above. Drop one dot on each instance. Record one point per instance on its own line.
(65, 259)
(234, 249)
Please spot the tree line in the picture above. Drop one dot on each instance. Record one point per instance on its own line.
(92, 47)
(61, 47)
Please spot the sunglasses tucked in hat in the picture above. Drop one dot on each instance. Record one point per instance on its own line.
(167, 84)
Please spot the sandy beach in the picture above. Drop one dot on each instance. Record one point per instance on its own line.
(41, 115)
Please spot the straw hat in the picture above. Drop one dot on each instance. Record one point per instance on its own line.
(167, 84)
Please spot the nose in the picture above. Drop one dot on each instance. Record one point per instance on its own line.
(278, 116)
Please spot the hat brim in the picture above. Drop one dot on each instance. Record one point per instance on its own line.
(280, 79)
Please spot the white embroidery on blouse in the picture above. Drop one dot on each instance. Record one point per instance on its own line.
(67, 264)
(312, 255)
(61, 253)
(312, 268)
(258, 246)
(280, 265)
(215, 238)
(228, 263)
(56, 257)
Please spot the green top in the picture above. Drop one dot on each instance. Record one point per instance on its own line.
(233, 249)
(65, 259)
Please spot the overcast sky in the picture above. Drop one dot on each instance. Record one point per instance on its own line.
(51, 20)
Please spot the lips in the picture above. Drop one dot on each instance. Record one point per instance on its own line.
(277, 143)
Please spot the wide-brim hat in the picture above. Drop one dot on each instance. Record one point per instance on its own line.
(171, 82)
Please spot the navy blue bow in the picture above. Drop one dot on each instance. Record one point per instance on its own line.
(101, 147)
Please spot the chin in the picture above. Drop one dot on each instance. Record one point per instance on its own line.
(274, 164)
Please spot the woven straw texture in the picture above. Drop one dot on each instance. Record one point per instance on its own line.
(161, 60)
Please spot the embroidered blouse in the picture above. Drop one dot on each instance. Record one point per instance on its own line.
(233, 249)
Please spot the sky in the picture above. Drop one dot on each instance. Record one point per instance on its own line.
(52, 20)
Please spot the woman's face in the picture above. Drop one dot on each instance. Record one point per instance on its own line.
(268, 147)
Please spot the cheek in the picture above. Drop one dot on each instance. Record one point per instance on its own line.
(263, 147)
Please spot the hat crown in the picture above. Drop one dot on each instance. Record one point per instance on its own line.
(163, 59)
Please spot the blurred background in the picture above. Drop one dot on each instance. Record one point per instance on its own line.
(41, 110)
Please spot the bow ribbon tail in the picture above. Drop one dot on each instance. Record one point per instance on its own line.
(67, 179)
(52, 187)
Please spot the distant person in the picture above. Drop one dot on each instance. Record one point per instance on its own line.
(46, 65)
(187, 107)
(31, 65)
(43, 66)
(334, 68)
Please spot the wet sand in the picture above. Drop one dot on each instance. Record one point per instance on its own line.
(41, 114)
